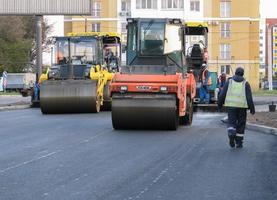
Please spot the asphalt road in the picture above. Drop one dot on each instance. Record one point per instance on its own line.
(81, 157)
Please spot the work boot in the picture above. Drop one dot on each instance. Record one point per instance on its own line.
(239, 144)
(239, 141)
(232, 140)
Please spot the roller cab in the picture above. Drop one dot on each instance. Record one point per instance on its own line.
(195, 44)
(154, 90)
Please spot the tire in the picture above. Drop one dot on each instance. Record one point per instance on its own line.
(187, 119)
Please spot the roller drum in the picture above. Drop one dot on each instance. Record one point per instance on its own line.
(144, 111)
(107, 98)
(69, 96)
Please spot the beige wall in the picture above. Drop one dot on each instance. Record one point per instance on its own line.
(239, 8)
(108, 11)
(244, 38)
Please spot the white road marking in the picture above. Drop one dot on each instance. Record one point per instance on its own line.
(28, 162)
(50, 154)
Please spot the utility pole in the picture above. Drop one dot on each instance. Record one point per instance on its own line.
(38, 46)
(269, 64)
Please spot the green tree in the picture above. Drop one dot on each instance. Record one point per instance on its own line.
(17, 43)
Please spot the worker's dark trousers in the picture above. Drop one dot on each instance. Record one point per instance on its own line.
(236, 123)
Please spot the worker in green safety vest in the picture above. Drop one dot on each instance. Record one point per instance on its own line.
(237, 98)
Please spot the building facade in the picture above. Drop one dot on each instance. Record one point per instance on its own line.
(233, 27)
(111, 15)
(268, 47)
(234, 37)
(104, 18)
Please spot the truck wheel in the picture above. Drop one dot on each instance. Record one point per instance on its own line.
(187, 119)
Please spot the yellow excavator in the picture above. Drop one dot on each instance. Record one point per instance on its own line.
(78, 81)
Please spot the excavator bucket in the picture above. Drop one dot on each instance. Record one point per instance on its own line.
(69, 96)
(144, 111)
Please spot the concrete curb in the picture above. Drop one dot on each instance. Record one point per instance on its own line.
(256, 127)
(259, 103)
(14, 107)
(16, 95)
(261, 128)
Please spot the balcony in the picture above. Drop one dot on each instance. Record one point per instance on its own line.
(125, 14)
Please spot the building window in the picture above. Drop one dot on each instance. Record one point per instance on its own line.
(225, 51)
(225, 8)
(172, 4)
(225, 29)
(96, 9)
(95, 27)
(194, 5)
(146, 4)
(225, 69)
(125, 5)
(123, 27)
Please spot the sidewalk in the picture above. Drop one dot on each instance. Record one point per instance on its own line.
(6, 100)
(264, 100)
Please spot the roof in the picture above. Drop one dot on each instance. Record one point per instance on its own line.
(105, 34)
(196, 24)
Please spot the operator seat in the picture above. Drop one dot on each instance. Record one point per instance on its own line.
(196, 52)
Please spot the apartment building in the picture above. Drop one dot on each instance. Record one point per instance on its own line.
(263, 44)
(104, 18)
(233, 27)
(185, 9)
(234, 37)
(111, 15)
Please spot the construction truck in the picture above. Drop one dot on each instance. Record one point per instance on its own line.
(155, 90)
(196, 47)
(78, 80)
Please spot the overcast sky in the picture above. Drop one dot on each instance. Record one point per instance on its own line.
(268, 8)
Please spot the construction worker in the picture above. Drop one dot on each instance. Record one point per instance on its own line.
(221, 82)
(237, 97)
(206, 81)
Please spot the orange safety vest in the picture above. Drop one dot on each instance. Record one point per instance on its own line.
(209, 81)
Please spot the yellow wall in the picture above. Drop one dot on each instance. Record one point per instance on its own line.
(108, 11)
(244, 38)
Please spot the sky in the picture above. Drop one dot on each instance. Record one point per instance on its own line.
(268, 8)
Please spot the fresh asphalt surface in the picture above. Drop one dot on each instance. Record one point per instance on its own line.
(80, 156)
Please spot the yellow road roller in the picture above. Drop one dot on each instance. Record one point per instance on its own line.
(78, 80)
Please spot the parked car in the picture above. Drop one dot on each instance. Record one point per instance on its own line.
(20, 81)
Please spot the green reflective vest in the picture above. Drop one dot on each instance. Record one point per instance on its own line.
(236, 96)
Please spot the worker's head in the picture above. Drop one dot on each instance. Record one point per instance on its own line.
(239, 71)
(223, 77)
(204, 65)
